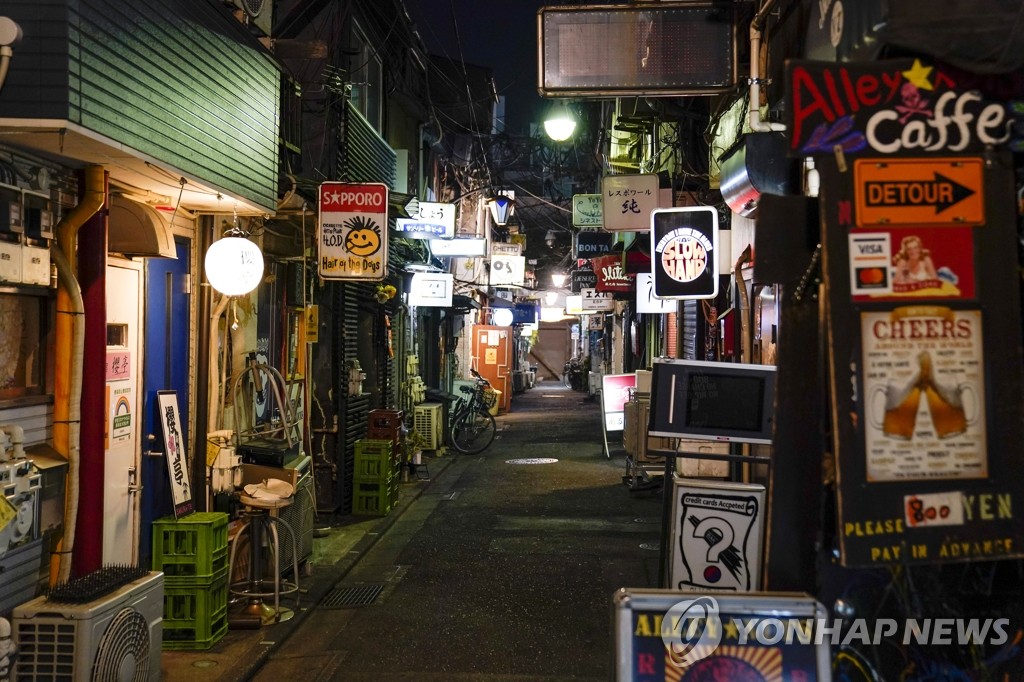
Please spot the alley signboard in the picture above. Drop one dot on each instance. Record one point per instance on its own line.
(594, 300)
(627, 201)
(428, 220)
(508, 270)
(431, 289)
(174, 453)
(717, 530)
(586, 210)
(684, 252)
(646, 302)
(353, 237)
(614, 396)
(889, 107)
(590, 243)
(610, 274)
(919, 191)
(582, 279)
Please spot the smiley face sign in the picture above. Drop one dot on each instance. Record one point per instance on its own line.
(352, 239)
(363, 238)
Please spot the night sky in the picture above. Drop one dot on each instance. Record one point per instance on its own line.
(500, 34)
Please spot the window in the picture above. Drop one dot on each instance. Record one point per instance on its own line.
(367, 77)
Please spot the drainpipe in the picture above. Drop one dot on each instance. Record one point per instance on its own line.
(756, 124)
(92, 278)
(70, 342)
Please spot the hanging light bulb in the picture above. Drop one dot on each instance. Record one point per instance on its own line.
(560, 123)
(234, 265)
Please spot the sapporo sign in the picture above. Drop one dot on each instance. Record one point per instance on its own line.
(353, 238)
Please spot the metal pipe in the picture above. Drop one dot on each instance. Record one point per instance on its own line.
(70, 341)
(756, 124)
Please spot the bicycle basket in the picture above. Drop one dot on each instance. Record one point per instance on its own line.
(489, 398)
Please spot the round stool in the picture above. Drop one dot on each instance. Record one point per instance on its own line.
(257, 519)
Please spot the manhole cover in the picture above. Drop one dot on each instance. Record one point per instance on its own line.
(531, 460)
(355, 595)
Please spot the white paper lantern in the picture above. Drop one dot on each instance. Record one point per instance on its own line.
(234, 265)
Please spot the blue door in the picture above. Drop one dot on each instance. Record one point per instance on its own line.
(166, 349)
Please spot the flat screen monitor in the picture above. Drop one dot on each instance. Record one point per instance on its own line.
(720, 401)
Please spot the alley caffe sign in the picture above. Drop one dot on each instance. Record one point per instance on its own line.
(892, 107)
(353, 238)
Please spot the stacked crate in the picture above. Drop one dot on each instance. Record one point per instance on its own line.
(192, 552)
(375, 479)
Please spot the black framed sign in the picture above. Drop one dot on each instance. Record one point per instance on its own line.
(684, 252)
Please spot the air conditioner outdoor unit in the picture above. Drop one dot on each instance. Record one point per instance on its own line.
(427, 420)
(115, 638)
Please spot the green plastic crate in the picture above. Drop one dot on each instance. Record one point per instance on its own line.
(374, 461)
(195, 618)
(193, 547)
(373, 499)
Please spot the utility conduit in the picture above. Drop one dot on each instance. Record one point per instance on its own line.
(70, 343)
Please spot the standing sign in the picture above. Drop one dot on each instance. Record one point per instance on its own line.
(717, 531)
(614, 396)
(921, 279)
(174, 451)
(353, 237)
(684, 252)
(627, 201)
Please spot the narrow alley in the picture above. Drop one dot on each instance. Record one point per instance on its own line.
(497, 570)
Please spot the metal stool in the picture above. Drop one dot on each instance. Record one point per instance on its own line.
(257, 520)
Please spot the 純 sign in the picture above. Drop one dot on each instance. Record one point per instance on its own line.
(931, 192)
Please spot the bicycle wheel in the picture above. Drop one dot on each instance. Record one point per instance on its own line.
(473, 432)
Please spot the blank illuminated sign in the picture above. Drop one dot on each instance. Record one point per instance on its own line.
(637, 49)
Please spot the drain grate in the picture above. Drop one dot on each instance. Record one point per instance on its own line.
(354, 595)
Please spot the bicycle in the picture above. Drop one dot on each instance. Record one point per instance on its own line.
(471, 425)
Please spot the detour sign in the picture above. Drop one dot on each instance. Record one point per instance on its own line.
(919, 192)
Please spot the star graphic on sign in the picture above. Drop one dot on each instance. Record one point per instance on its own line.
(918, 75)
(731, 631)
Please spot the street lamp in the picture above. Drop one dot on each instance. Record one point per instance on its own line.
(560, 123)
(502, 208)
(558, 279)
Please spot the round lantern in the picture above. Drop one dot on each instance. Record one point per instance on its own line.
(234, 265)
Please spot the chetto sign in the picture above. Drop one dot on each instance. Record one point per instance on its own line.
(684, 249)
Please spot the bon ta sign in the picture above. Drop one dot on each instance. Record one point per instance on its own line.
(353, 238)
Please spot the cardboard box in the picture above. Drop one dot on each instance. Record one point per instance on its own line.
(257, 473)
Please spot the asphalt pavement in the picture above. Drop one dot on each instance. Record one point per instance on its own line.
(501, 566)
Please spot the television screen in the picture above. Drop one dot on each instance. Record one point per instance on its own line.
(712, 400)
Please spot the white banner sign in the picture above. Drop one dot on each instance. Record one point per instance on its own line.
(467, 246)
(646, 301)
(431, 289)
(597, 300)
(508, 270)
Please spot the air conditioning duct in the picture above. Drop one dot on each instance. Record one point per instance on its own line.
(757, 165)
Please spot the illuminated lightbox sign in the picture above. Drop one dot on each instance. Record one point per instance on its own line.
(667, 48)
(431, 289)
(474, 246)
(684, 252)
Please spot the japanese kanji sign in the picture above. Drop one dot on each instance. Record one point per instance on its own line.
(353, 237)
(627, 201)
